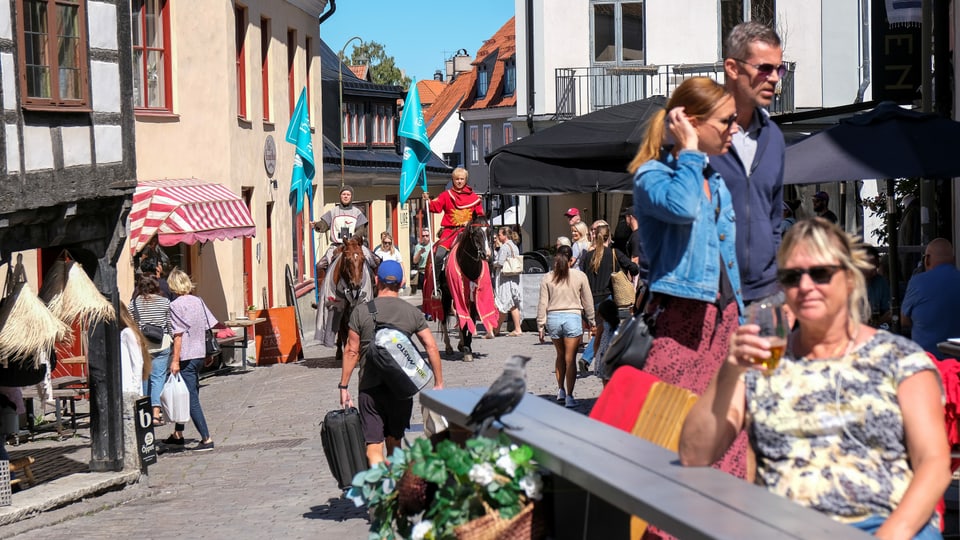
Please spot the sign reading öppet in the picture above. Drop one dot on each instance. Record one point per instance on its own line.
(146, 442)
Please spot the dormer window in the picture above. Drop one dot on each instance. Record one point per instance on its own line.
(483, 81)
(510, 77)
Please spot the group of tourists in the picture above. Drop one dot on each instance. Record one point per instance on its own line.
(846, 401)
(712, 237)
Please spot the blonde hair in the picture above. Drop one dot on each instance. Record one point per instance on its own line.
(582, 229)
(698, 96)
(599, 244)
(822, 238)
(387, 236)
(179, 282)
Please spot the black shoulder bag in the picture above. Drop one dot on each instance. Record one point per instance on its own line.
(632, 341)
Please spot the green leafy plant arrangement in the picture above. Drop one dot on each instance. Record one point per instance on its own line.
(425, 492)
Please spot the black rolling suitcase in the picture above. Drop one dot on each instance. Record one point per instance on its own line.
(343, 444)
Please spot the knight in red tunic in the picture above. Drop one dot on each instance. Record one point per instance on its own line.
(459, 205)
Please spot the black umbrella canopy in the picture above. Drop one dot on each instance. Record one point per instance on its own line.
(887, 142)
(587, 154)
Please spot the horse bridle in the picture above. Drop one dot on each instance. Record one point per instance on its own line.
(354, 294)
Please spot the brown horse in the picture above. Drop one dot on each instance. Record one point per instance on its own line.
(347, 285)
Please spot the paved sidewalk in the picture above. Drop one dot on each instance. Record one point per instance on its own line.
(268, 473)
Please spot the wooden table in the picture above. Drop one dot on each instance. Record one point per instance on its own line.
(634, 477)
(244, 323)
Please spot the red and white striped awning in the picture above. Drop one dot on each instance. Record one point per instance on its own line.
(186, 210)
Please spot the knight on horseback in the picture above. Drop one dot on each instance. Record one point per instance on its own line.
(343, 221)
(459, 205)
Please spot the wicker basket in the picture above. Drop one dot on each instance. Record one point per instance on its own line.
(529, 524)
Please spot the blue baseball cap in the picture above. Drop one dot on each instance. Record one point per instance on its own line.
(390, 272)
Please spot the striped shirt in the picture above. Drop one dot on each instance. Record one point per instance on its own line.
(152, 309)
(191, 319)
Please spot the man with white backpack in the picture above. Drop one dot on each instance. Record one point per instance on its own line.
(383, 415)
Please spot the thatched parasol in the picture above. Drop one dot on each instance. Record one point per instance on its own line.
(27, 328)
(72, 297)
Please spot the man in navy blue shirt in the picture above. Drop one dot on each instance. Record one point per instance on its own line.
(753, 168)
(930, 305)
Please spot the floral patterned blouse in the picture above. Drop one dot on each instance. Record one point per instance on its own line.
(828, 434)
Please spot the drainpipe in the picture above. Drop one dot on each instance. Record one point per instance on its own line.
(865, 45)
(530, 65)
(330, 12)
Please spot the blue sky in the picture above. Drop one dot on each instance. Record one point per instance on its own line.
(419, 34)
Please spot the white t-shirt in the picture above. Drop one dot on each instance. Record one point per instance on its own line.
(131, 363)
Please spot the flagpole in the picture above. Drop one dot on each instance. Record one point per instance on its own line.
(433, 261)
(313, 254)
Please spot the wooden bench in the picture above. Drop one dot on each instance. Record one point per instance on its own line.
(66, 392)
(603, 475)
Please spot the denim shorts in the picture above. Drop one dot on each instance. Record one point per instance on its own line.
(564, 325)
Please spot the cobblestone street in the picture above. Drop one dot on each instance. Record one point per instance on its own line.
(268, 475)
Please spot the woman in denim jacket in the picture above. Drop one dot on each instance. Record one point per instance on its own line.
(688, 229)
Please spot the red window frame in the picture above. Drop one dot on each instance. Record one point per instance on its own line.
(265, 66)
(159, 10)
(240, 15)
(48, 58)
(291, 58)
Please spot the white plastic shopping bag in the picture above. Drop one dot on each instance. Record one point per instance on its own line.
(175, 400)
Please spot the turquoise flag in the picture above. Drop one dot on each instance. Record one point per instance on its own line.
(416, 145)
(298, 134)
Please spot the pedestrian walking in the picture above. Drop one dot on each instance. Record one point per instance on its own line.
(190, 320)
(753, 167)
(421, 252)
(150, 306)
(565, 299)
(384, 416)
(580, 236)
(387, 250)
(599, 264)
(688, 231)
(507, 293)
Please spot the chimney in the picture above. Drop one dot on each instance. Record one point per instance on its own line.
(438, 75)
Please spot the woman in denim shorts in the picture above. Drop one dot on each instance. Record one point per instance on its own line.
(565, 298)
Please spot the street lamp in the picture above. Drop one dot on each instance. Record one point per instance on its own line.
(340, 57)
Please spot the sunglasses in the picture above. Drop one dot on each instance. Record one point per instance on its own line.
(821, 275)
(728, 121)
(765, 70)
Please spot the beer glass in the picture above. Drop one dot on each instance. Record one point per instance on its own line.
(769, 317)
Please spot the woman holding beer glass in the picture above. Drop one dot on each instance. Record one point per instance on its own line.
(850, 422)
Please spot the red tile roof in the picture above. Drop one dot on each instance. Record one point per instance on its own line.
(503, 44)
(360, 71)
(461, 93)
(447, 102)
(429, 90)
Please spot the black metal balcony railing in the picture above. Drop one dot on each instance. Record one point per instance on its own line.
(584, 90)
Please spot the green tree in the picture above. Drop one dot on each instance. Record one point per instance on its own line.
(383, 67)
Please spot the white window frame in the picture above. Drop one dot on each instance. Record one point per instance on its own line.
(474, 145)
(618, 33)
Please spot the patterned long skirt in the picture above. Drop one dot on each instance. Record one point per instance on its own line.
(691, 342)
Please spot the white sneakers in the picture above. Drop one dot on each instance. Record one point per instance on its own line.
(569, 402)
(561, 395)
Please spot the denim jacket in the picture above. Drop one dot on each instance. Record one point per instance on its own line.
(685, 235)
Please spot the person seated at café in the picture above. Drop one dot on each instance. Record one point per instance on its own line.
(878, 289)
(850, 422)
(930, 305)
